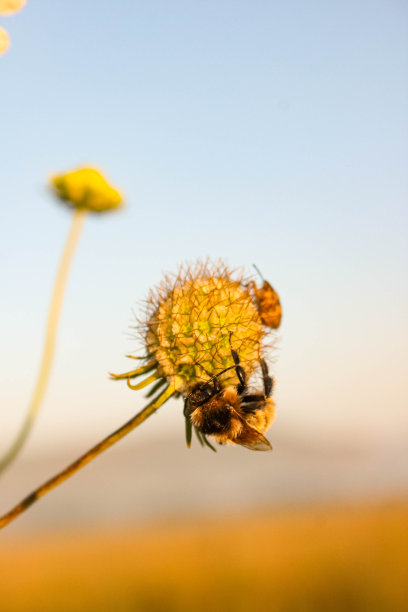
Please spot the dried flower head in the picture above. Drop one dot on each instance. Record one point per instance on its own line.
(201, 325)
(86, 189)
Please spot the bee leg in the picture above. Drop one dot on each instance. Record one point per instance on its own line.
(249, 399)
(241, 388)
(267, 380)
(239, 370)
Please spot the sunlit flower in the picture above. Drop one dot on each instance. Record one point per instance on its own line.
(197, 327)
(8, 7)
(86, 189)
(189, 321)
(4, 41)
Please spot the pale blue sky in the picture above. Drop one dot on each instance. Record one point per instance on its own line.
(262, 131)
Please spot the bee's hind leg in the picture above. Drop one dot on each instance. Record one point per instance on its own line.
(241, 388)
(267, 380)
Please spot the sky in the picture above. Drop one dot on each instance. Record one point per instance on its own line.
(261, 132)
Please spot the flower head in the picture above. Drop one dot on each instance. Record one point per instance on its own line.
(202, 332)
(87, 189)
(190, 319)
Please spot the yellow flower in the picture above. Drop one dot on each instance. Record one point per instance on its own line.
(4, 41)
(86, 189)
(190, 320)
(201, 326)
(8, 7)
(188, 324)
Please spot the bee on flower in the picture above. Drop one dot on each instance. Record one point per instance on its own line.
(204, 334)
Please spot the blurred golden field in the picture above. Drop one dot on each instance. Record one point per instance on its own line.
(319, 558)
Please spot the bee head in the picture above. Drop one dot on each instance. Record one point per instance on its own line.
(200, 394)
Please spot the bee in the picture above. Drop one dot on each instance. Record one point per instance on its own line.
(231, 414)
(268, 303)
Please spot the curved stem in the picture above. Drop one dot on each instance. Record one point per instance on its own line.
(50, 339)
(86, 458)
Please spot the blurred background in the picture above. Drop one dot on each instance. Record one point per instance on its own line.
(272, 133)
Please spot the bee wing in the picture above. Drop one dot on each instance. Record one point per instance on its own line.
(250, 437)
(253, 439)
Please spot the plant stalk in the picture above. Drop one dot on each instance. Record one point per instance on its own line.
(50, 339)
(86, 458)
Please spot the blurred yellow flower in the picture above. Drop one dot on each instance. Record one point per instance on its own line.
(8, 7)
(86, 189)
(4, 41)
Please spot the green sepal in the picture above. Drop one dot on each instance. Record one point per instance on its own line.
(155, 387)
(189, 431)
(207, 443)
(198, 434)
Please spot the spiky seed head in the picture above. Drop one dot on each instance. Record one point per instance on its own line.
(190, 321)
(86, 188)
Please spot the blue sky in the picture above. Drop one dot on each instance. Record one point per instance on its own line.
(261, 132)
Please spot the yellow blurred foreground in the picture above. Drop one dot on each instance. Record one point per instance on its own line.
(318, 559)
